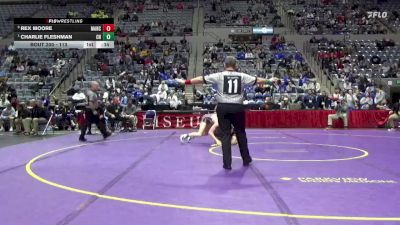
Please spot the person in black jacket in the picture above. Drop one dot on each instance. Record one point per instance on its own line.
(40, 115)
(61, 116)
(22, 113)
(309, 100)
(323, 101)
(113, 113)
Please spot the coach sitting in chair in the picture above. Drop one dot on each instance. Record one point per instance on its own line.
(342, 109)
(129, 116)
(113, 113)
(38, 115)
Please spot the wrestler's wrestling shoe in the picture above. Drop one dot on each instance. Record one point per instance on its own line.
(82, 139)
(185, 138)
(182, 138)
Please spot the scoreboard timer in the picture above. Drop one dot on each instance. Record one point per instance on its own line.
(81, 33)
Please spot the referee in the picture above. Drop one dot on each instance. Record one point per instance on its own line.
(230, 109)
(93, 113)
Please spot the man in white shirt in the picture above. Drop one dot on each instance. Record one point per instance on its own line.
(11, 48)
(174, 102)
(110, 84)
(3, 101)
(380, 97)
(163, 86)
(308, 85)
(366, 101)
(351, 99)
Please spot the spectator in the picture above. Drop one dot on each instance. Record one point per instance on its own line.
(124, 100)
(285, 103)
(351, 99)
(209, 99)
(74, 89)
(3, 101)
(44, 72)
(380, 98)
(323, 101)
(308, 85)
(174, 102)
(63, 117)
(7, 118)
(11, 48)
(129, 116)
(165, 42)
(20, 68)
(270, 105)
(81, 78)
(366, 102)
(183, 41)
(21, 114)
(309, 100)
(163, 86)
(317, 87)
(180, 6)
(336, 97)
(110, 84)
(162, 98)
(371, 87)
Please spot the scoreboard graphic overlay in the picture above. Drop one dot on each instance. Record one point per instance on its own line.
(64, 33)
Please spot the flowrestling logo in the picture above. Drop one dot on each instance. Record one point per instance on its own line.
(375, 14)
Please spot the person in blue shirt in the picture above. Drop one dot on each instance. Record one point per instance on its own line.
(124, 100)
(241, 55)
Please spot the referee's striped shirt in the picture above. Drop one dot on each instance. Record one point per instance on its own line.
(230, 85)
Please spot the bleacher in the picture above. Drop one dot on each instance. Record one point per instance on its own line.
(28, 88)
(334, 17)
(52, 11)
(354, 60)
(235, 13)
(157, 21)
(32, 88)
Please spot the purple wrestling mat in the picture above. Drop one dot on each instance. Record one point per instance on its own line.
(301, 176)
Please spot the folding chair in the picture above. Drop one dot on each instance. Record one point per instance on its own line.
(150, 119)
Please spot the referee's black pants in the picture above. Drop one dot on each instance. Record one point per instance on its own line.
(91, 118)
(228, 115)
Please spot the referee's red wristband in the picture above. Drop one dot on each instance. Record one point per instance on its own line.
(188, 82)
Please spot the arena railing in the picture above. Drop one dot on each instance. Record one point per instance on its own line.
(72, 74)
